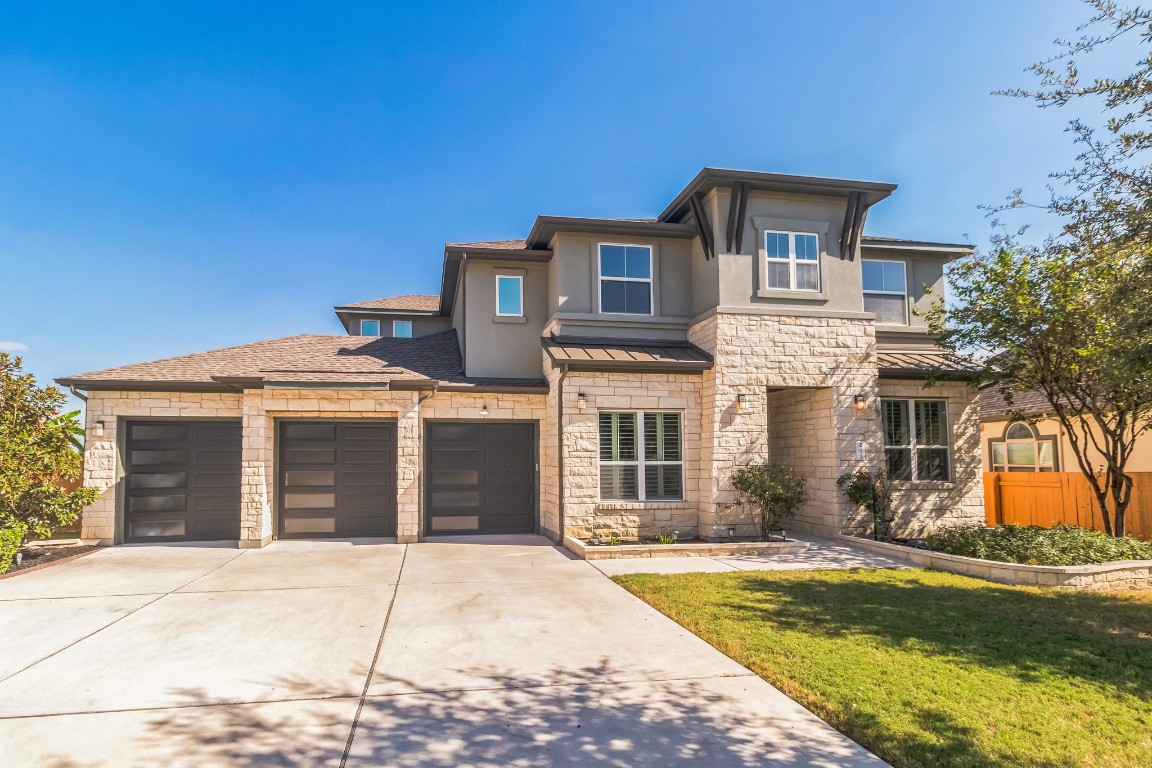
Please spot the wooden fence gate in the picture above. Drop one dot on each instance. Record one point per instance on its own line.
(1054, 498)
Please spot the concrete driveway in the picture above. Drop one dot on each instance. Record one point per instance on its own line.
(360, 653)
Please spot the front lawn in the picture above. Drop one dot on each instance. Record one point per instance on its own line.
(933, 669)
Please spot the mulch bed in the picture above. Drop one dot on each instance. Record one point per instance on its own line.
(40, 557)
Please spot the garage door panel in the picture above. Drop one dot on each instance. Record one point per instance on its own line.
(337, 479)
(481, 477)
(182, 480)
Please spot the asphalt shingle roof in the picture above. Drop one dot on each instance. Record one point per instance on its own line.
(994, 407)
(416, 302)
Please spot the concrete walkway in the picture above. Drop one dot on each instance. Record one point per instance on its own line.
(822, 554)
(362, 653)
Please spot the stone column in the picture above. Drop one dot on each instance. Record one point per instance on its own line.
(257, 526)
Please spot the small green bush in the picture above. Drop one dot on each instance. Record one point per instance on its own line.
(11, 539)
(775, 490)
(1031, 545)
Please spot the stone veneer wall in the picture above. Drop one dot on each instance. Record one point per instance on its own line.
(921, 507)
(756, 353)
(258, 409)
(585, 514)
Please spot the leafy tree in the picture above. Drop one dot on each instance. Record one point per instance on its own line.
(37, 457)
(776, 491)
(871, 490)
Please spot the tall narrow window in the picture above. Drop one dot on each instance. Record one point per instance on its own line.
(916, 439)
(626, 279)
(792, 261)
(641, 456)
(509, 295)
(886, 291)
(402, 329)
(369, 327)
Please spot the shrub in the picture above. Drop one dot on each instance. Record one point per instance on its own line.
(11, 538)
(774, 489)
(871, 491)
(1031, 545)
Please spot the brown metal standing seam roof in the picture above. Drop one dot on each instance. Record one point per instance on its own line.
(616, 354)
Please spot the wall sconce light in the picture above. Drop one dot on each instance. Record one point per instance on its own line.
(581, 400)
(860, 403)
(741, 401)
(484, 409)
(98, 429)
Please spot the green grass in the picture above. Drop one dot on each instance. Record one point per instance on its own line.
(933, 669)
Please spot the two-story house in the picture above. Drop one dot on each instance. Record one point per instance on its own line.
(600, 376)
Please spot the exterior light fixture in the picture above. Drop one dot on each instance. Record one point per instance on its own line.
(581, 400)
(741, 401)
(98, 429)
(860, 403)
(484, 409)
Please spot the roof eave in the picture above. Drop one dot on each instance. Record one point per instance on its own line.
(144, 385)
(547, 227)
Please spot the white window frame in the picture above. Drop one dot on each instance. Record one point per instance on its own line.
(913, 445)
(650, 279)
(792, 260)
(520, 288)
(362, 321)
(640, 463)
(411, 329)
(903, 294)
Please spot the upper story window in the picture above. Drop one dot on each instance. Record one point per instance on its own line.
(369, 327)
(402, 329)
(886, 291)
(792, 261)
(916, 439)
(626, 279)
(1022, 449)
(509, 295)
(641, 456)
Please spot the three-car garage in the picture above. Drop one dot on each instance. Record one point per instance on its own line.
(333, 478)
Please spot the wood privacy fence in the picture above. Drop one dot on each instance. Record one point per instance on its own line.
(1053, 498)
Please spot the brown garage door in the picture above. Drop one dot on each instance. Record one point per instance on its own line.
(182, 481)
(337, 479)
(481, 478)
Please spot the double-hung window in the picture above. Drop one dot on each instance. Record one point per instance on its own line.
(916, 439)
(886, 291)
(792, 261)
(369, 327)
(626, 279)
(402, 329)
(641, 456)
(509, 295)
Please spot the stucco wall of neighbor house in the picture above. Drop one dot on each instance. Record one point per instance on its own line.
(422, 325)
(922, 506)
(503, 347)
(586, 515)
(259, 409)
(756, 353)
(102, 466)
(1140, 461)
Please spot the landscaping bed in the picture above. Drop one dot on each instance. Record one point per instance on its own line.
(934, 669)
(37, 556)
(1031, 545)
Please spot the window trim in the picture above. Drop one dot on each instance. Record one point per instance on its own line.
(1036, 438)
(520, 291)
(904, 293)
(411, 329)
(640, 463)
(792, 261)
(378, 328)
(912, 445)
(651, 279)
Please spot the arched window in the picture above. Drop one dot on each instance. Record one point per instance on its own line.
(1023, 449)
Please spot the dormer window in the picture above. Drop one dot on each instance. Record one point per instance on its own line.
(625, 279)
(886, 291)
(402, 329)
(369, 327)
(792, 261)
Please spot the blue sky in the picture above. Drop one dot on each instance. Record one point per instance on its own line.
(174, 180)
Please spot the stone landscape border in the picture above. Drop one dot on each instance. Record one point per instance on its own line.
(1105, 577)
(683, 549)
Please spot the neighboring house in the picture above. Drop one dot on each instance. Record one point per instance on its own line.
(1037, 442)
(601, 376)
